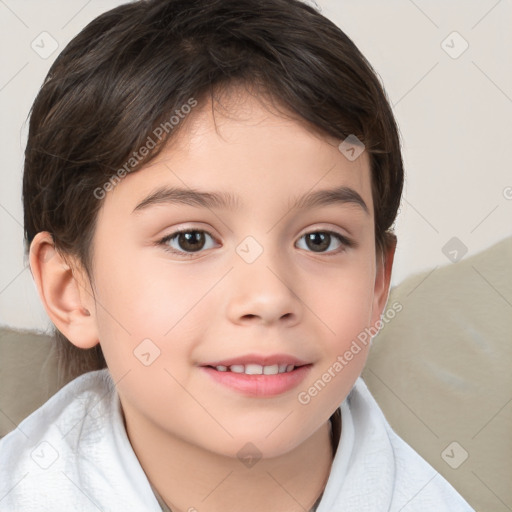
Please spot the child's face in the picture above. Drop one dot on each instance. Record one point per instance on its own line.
(254, 287)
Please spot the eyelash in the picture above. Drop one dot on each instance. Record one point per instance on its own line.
(345, 242)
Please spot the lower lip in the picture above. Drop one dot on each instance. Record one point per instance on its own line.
(260, 385)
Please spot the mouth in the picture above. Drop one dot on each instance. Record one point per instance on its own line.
(258, 376)
(256, 369)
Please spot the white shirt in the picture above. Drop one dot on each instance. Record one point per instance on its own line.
(73, 453)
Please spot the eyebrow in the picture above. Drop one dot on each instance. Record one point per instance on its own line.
(225, 200)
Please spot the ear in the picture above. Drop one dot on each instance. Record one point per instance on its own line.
(383, 278)
(66, 293)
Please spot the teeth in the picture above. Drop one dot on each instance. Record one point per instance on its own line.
(253, 369)
(257, 369)
(271, 370)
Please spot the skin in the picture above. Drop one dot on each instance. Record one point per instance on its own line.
(185, 428)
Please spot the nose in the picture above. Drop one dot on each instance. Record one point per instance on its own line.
(261, 293)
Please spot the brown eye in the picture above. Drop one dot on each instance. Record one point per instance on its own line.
(191, 241)
(188, 241)
(324, 242)
(318, 242)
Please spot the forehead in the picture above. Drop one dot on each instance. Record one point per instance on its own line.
(255, 153)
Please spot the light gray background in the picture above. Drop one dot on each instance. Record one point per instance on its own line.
(454, 113)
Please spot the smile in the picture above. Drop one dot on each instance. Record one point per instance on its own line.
(258, 376)
(257, 369)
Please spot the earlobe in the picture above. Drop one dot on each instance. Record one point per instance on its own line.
(65, 294)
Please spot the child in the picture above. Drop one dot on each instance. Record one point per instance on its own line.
(209, 191)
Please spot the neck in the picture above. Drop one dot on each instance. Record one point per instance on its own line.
(189, 478)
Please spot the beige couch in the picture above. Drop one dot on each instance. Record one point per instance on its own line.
(440, 370)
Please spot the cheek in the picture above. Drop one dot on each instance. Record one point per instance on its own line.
(149, 321)
(141, 300)
(341, 298)
(342, 301)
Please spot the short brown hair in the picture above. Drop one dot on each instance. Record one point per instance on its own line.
(130, 68)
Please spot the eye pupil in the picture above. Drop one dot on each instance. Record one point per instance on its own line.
(191, 240)
(318, 241)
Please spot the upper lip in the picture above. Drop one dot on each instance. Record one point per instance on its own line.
(263, 360)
